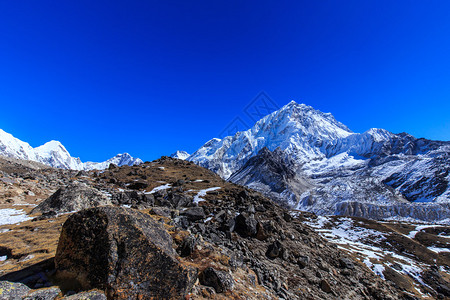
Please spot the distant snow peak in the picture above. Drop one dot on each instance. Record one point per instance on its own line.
(298, 129)
(306, 158)
(54, 154)
(180, 155)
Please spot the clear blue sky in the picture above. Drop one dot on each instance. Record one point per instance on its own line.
(151, 77)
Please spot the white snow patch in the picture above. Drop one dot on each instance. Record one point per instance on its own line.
(202, 193)
(159, 188)
(3, 258)
(12, 216)
(438, 250)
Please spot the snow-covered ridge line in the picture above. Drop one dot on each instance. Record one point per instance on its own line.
(54, 154)
(308, 160)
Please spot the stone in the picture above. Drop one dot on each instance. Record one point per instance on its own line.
(43, 294)
(187, 246)
(325, 286)
(261, 233)
(138, 185)
(346, 263)
(274, 250)
(303, 261)
(160, 211)
(219, 280)
(93, 295)
(122, 251)
(74, 197)
(194, 214)
(13, 290)
(246, 225)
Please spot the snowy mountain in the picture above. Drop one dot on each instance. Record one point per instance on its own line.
(307, 160)
(54, 154)
(180, 155)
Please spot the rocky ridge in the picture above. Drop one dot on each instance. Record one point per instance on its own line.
(238, 243)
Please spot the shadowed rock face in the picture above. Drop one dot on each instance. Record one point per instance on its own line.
(123, 252)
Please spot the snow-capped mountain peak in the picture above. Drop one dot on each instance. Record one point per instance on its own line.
(298, 129)
(374, 174)
(54, 154)
(180, 155)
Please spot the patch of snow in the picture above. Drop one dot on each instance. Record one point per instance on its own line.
(438, 250)
(3, 258)
(378, 269)
(12, 216)
(202, 193)
(413, 233)
(24, 204)
(159, 188)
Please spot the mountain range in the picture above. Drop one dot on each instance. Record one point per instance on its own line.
(307, 160)
(54, 154)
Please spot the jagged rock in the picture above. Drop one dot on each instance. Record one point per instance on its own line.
(74, 197)
(346, 263)
(122, 251)
(261, 233)
(274, 250)
(93, 295)
(13, 290)
(246, 225)
(219, 280)
(43, 294)
(178, 200)
(161, 211)
(194, 213)
(187, 246)
(138, 185)
(303, 261)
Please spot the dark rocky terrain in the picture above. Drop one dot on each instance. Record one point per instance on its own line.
(169, 229)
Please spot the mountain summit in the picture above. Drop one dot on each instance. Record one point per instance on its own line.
(297, 129)
(54, 154)
(376, 174)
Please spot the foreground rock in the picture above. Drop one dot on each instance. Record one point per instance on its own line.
(13, 290)
(123, 252)
(74, 197)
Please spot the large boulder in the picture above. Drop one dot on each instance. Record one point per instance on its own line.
(74, 197)
(13, 290)
(123, 252)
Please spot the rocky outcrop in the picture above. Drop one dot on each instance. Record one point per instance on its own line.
(73, 197)
(122, 251)
(13, 290)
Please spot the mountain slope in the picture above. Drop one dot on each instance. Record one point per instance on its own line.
(54, 154)
(375, 174)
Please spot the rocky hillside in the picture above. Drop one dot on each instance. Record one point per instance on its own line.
(332, 170)
(69, 234)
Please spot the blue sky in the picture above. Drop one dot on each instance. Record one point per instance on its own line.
(151, 77)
